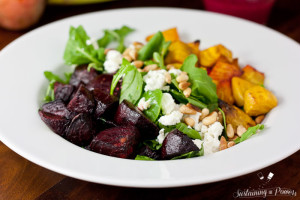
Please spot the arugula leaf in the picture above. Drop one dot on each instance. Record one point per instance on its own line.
(154, 45)
(202, 85)
(188, 131)
(139, 157)
(224, 120)
(152, 144)
(155, 96)
(167, 128)
(182, 99)
(191, 154)
(251, 131)
(159, 57)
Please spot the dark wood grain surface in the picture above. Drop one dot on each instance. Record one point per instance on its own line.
(21, 179)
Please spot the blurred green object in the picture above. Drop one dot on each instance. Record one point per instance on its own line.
(75, 2)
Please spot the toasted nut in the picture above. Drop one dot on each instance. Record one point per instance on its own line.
(230, 131)
(189, 121)
(138, 63)
(186, 110)
(137, 45)
(234, 137)
(210, 119)
(169, 66)
(126, 52)
(204, 113)
(183, 77)
(240, 130)
(140, 70)
(184, 85)
(259, 119)
(168, 78)
(150, 67)
(127, 57)
(223, 143)
(133, 54)
(230, 144)
(193, 107)
(187, 92)
(106, 51)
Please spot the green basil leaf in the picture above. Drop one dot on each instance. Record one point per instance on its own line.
(191, 154)
(188, 131)
(139, 157)
(146, 52)
(152, 144)
(202, 85)
(251, 131)
(155, 97)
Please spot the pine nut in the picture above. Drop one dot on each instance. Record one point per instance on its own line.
(259, 119)
(234, 137)
(223, 143)
(138, 63)
(182, 77)
(126, 52)
(204, 113)
(231, 144)
(189, 121)
(133, 54)
(127, 57)
(137, 45)
(187, 92)
(168, 78)
(140, 70)
(184, 85)
(210, 119)
(106, 51)
(193, 107)
(230, 131)
(240, 130)
(186, 110)
(150, 67)
(169, 66)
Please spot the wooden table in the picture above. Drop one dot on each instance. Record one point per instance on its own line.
(21, 179)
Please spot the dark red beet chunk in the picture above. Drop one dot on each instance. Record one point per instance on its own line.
(56, 123)
(82, 102)
(81, 75)
(175, 144)
(128, 114)
(103, 82)
(63, 91)
(146, 151)
(119, 142)
(81, 130)
(57, 108)
(106, 105)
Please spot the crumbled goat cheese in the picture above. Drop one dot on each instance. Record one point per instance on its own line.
(92, 41)
(172, 119)
(176, 72)
(113, 61)
(167, 103)
(161, 136)
(211, 141)
(155, 80)
(196, 117)
(198, 143)
(143, 104)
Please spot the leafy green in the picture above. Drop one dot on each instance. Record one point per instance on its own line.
(188, 131)
(192, 100)
(251, 131)
(149, 62)
(116, 35)
(78, 52)
(182, 99)
(155, 97)
(139, 157)
(202, 85)
(152, 144)
(224, 120)
(154, 45)
(167, 128)
(159, 57)
(191, 154)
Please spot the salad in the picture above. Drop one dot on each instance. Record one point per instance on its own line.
(165, 99)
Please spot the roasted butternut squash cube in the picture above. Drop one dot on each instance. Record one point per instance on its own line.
(224, 71)
(252, 75)
(169, 35)
(224, 91)
(209, 57)
(239, 87)
(258, 101)
(235, 116)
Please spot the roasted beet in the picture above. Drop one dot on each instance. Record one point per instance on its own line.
(118, 142)
(128, 114)
(175, 144)
(106, 105)
(81, 130)
(146, 151)
(82, 102)
(102, 124)
(57, 108)
(103, 83)
(82, 75)
(63, 91)
(56, 123)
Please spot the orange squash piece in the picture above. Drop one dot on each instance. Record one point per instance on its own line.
(239, 87)
(252, 75)
(210, 56)
(169, 35)
(224, 71)
(224, 91)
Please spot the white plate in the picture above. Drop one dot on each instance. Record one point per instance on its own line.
(23, 85)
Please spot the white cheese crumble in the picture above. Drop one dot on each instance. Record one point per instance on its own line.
(161, 136)
(113, 61)
(172, 119)
(155, 80)
(167, 104)
(176, 72)
(198, 143)
(196, 117)
(143, 104)
(211, 141)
